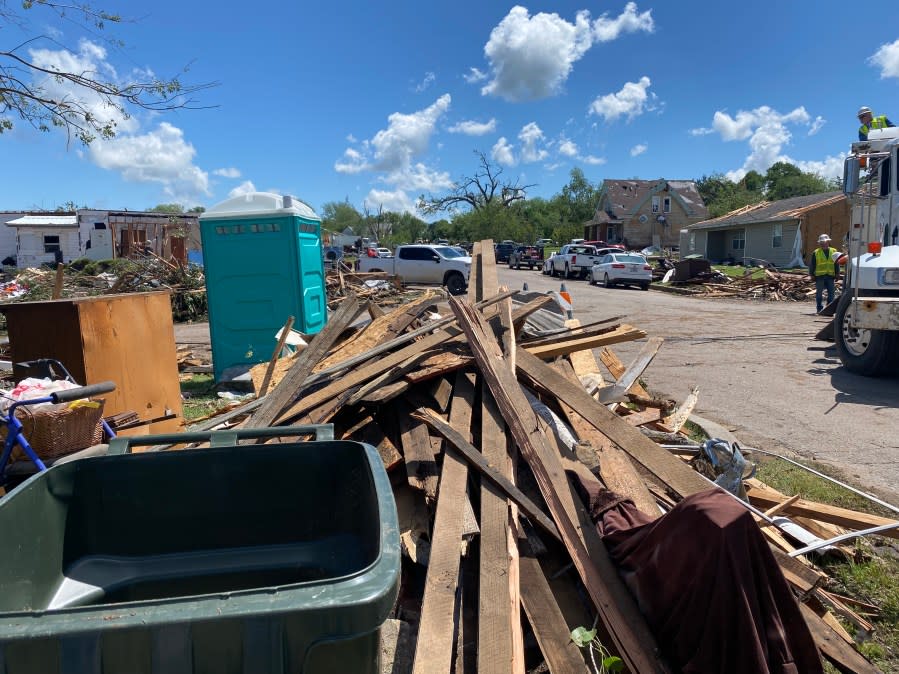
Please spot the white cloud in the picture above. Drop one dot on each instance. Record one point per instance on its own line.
(397, 201)
(627, 22)
(887, 59)
(246, 187)
(353, 162)
(816, 125)
(701, 132)
(531, 57)
(639, 149)
(594, 161)
(767, 133)
(531, 137)
(472, 128)
(830, 167)
(407, 135)
(474, 76)
(419, 177)
(426, 82)
(350, 138)
(568, 148)
(227, 172)
(161, 156)
(631, 101)
(502, 152)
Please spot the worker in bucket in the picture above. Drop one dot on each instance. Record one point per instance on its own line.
(824, 270)
(869, 121)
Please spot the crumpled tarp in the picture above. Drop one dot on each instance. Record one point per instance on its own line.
(708, 584)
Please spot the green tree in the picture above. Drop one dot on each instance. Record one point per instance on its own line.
(47, 96)
(167, 208)
(483, 190)
(721, 195)
(338, 215)
(784, 180)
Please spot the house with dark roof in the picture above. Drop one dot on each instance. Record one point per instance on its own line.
(640, 213)
(782, 232)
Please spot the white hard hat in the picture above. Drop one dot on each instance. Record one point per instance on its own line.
(864, 110)
(823, 238)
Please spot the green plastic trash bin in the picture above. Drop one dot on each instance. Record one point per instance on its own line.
(234, 558)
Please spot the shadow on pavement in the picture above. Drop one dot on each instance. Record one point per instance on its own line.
(852, 388)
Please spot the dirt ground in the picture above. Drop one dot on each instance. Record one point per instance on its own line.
(759, 371)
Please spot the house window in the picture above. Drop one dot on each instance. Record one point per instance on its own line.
(666, 205)
(739, 240)
(655, 203)
(778, 236)
(692, 241)
(51, 243)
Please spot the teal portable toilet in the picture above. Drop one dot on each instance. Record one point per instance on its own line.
(262, 255)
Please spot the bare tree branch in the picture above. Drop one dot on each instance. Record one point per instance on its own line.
(477, 192)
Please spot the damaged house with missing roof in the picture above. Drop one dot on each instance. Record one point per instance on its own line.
(782, 232)
(640, 213)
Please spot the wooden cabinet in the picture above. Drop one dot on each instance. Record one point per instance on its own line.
(128, 339)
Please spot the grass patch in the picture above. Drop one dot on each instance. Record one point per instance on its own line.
(874, 580)
(200, 397)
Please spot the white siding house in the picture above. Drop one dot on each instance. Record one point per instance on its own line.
(42, 239)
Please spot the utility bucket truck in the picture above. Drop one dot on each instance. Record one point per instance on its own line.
(867, 317)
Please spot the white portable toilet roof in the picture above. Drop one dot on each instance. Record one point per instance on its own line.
(260, 203)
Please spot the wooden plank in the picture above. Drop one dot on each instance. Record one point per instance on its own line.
(647, 416)
(584, 362)
(761, 496)
(434, 633)
(616, 369)
(631, 636)
(629, 377)
(625, 333)
(673, 472)
(57, 282)
(679, 417)
(267, 379)
(835, 649)
(617, 471)
(420, 465)
(549, 625)
(278, 399)
(441, 390)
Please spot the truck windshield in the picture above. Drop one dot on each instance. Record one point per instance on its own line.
(446, 251)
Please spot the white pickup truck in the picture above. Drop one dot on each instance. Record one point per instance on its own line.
(418, 263)
(573, 260)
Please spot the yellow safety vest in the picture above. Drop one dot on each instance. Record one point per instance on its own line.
(876, 123)
(824, 263)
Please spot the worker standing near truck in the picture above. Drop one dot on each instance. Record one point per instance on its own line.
(824, 270)
(869, 122)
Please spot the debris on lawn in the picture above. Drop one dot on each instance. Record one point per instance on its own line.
(516, 456)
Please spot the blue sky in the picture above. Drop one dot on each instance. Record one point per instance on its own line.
(381, 102)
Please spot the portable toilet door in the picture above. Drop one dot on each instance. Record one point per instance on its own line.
(262, 258)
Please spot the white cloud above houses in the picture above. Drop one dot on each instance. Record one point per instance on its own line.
(246, 187)
(426, 82)
(161, 156)
(229, 172)
(472, 128)
(639, 149)
(816, 125)
(533, 143)
(395, 201)
(474, 75)
(532, 56)
(887, 59)
(568, 148)
(391, 152)
(503, 152)
(631, 101)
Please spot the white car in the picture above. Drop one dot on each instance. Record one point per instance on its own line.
(621, 269)
(383, 252)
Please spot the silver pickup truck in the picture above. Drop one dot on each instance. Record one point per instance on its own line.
(417, 263)
(574, 260)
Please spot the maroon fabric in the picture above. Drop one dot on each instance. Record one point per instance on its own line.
(708, 584)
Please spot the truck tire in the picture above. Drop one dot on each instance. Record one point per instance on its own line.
(455, 283)
(567, 271)
(870, 353)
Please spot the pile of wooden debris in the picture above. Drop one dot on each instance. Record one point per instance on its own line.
(384, 289)
(772, 285)
(480, 414)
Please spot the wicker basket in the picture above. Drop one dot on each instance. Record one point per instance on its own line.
(54, 431)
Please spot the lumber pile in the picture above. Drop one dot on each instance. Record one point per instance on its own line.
(380, 288)
(773, 286)
(479, 419)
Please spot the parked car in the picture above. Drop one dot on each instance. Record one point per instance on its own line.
(503, 250)
(524, 255)
(441, 265)
(574, 260)
(544, 242)
(603, 244)
(621, 269)
(384, 252)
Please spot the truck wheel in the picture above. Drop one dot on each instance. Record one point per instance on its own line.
(567, 271)
(870, 353)
(455, 283)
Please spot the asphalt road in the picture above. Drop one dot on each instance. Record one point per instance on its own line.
(759, 371)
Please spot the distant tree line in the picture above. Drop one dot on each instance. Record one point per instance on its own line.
(487, 205)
